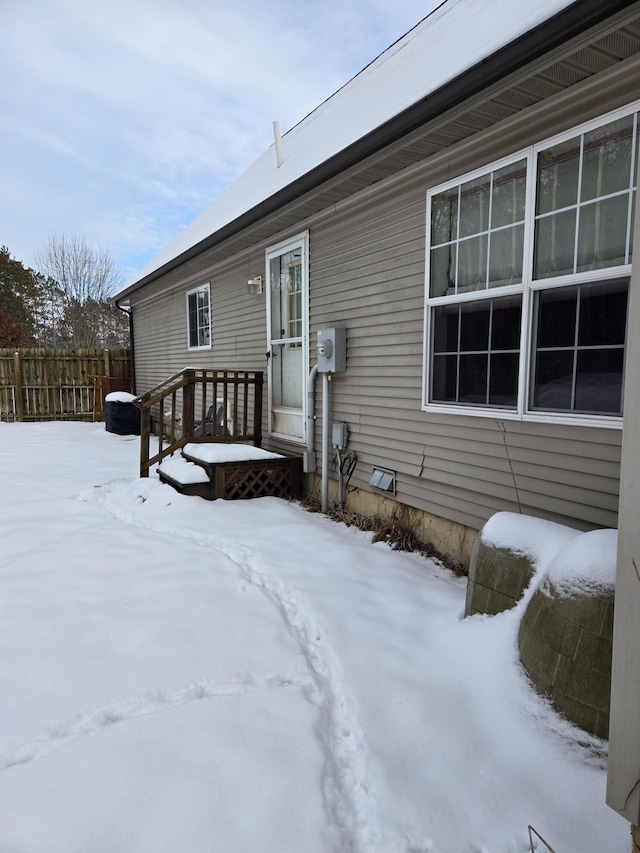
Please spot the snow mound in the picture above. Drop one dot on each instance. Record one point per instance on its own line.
(575, 562)
(586, 565)
(535, 538)
(182, 471)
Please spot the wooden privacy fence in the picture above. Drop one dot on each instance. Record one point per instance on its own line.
(61, 384)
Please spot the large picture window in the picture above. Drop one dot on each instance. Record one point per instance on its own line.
(528, 266)
(199, 318)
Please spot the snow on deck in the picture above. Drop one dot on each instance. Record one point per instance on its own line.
(183, 471)
(228, 452)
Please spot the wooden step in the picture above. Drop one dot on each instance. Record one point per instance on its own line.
(265, 475)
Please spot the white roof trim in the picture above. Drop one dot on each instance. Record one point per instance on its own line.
(452, 39)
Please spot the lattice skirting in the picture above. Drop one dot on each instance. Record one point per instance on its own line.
(280, 478)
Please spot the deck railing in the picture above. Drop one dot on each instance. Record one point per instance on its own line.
(179, 409)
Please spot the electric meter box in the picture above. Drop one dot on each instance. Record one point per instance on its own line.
(332, 350)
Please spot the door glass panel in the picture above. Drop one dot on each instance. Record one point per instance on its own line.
(285, 282)
(287, 329)
(286, 375)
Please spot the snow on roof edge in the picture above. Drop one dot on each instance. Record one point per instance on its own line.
(438, 49)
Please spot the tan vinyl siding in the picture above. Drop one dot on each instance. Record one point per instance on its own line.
(367, 267)
(367, 274)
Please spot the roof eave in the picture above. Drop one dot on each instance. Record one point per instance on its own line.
(565, 25)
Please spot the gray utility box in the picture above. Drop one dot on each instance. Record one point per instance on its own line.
(332, 350)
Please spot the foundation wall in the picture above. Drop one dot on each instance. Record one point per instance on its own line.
(452, 540)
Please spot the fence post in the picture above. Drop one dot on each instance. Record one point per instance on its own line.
(18, 385)
(107, 363)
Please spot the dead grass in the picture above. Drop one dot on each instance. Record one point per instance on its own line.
(391, 530)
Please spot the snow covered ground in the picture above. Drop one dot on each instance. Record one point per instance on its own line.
(178, 676)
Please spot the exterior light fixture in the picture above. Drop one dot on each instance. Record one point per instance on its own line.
(254, 286)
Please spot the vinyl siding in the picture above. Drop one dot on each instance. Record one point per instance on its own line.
(367, 267)
(458, 467)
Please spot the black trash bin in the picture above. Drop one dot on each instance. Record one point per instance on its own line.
(121, 415)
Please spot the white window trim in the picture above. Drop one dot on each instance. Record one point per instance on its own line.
(202, 287)
(298, 241)
(527, 288)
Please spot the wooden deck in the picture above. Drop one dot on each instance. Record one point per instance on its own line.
(236, 479)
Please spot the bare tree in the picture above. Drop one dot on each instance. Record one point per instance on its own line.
(87, 277)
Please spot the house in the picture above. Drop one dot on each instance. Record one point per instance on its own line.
(463, 208)
(499, 385)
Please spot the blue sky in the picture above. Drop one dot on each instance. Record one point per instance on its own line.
(122, 121)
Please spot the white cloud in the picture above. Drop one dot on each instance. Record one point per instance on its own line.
(123, 120)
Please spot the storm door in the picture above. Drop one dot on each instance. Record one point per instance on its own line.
(287, 299)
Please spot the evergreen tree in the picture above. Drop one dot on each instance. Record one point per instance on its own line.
(18, 288)
(12, 332)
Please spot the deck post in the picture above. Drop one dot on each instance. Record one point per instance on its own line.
(188, 404)
(257, 410)
(145, 431)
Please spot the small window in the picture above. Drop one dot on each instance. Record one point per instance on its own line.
(199, 318)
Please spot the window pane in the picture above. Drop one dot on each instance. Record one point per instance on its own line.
(585, 375)
(503, 384)
(606, 166)
(444, 378)
(443, 270)
(599, 381)
(557, 317)
(603, 314)
(554, 245)
(505, 324)
(558, 176)
(505, 266)
(445, 328)
(602, 239)
(198, 318)
(474, 327)
(461, 367)
(509, 185)
(474, 206)
(473, 379)
(444, 217)
(472, 264)
(193, 320)
(553, 380)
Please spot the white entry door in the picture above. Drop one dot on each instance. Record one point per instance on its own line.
(287, 324)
